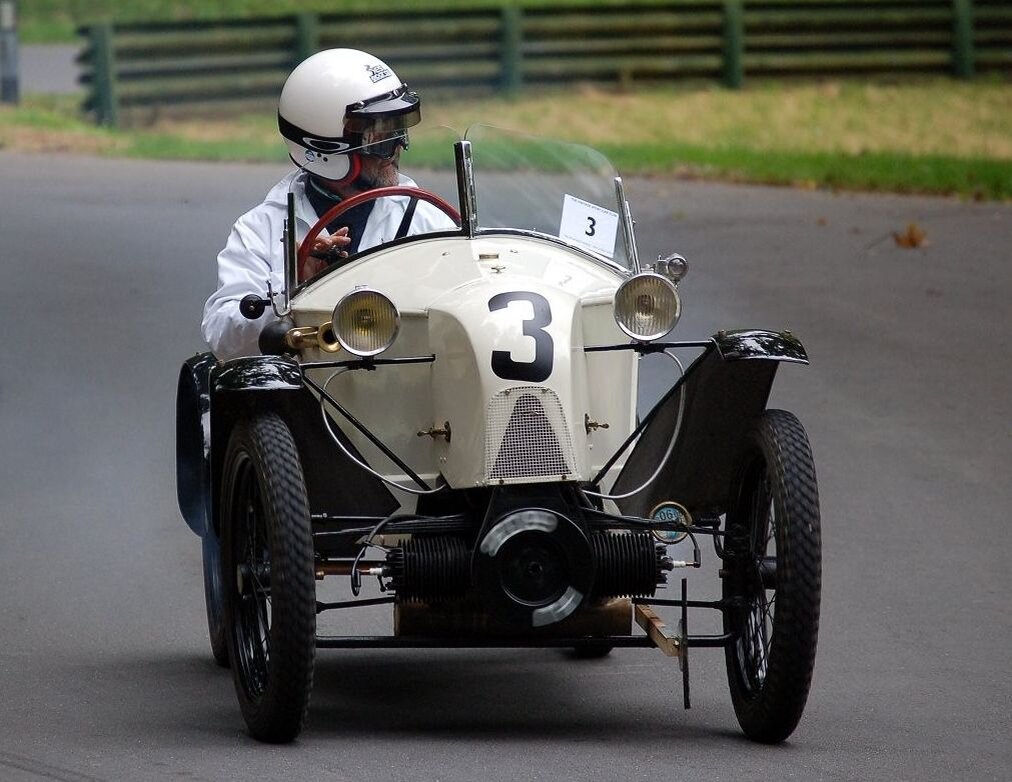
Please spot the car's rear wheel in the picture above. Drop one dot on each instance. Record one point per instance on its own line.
(772, 578)
(214, 597)
(270, 591)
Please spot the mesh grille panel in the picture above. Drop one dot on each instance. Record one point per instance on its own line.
(527, 436)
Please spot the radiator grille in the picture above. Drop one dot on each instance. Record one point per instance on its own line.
(527, 436)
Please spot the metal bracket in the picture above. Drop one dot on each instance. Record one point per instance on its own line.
(290, 255)
(628, 230)
(683, 632)
(433, 432)
(657, 631)
(466, 191)
(671, 645)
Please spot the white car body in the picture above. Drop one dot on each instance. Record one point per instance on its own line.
(442, 288)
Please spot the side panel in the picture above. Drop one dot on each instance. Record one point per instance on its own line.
(724, 391)
(612, 381)
(394, 402)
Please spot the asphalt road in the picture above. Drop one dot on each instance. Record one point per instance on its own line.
(104, 668)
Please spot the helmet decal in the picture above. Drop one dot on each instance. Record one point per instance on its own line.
(325, 145)
(378, 72)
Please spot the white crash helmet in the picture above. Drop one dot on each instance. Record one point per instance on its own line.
(340, 103)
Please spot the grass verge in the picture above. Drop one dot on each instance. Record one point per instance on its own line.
(977, 178)
(937, 136)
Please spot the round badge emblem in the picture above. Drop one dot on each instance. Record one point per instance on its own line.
(671, 511)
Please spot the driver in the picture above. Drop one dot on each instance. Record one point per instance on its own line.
(344, 116)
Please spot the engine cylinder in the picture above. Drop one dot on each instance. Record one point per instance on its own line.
(625, 564)
(430, 569)
(629, 564)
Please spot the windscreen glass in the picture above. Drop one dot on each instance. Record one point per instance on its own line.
(566, 191)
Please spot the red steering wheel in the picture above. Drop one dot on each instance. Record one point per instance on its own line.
(370, 195)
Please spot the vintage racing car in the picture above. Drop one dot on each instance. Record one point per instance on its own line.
(450, 421)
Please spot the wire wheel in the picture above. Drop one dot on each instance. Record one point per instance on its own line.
(270, 605)
(252, 614)
(757, 586)
(772, 578)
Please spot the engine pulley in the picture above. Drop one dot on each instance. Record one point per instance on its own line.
(534, 567)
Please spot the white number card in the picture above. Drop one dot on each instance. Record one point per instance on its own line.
(588, 225)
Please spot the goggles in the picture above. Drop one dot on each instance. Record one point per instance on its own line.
(383, 145)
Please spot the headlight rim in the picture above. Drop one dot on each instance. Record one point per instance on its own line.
(654, 335)
(344, 343)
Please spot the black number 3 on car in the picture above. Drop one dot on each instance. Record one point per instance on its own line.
(540, 368)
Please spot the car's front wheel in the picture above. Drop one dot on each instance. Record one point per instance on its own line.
(772, 578)
(270, 589)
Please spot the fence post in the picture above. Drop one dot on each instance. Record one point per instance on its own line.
(962, 39)
(734, 43)
(103, 63)
(307, 35)
(8, 51)
(511, 76)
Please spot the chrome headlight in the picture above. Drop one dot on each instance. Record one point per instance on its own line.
(365, 322)
(647, 307)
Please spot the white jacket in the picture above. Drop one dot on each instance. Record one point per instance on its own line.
(254, 253)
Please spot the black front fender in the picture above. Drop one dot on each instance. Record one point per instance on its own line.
(203, 383)
(725, 390)
(193, 444)
(755, 344)
(239, 387)
(256, 373)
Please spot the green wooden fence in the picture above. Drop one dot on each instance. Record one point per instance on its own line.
(134, 71)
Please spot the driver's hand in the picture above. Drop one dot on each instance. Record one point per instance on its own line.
(331, 247)
(326, 249)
